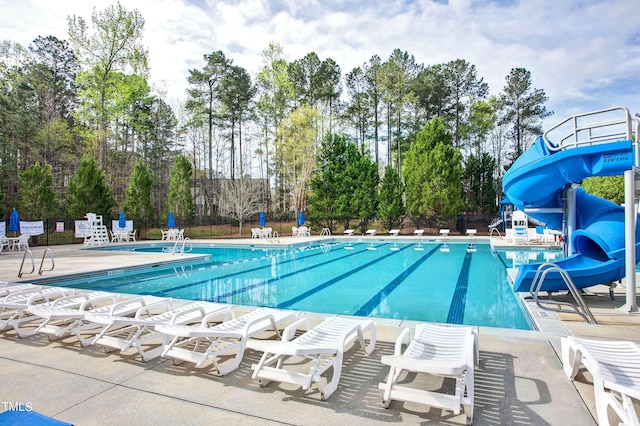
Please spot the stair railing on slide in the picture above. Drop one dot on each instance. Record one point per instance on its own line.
(581, 309)
(593, 131)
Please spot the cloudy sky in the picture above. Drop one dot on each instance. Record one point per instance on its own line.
(585, 54)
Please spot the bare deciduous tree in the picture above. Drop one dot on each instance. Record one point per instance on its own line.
(239, 199)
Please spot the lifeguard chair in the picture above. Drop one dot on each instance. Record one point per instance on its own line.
(519, 227)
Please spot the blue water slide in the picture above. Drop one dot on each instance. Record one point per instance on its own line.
(537, 180)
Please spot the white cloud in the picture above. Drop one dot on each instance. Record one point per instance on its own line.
(579, 53)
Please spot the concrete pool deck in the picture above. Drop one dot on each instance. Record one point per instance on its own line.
(519, 378)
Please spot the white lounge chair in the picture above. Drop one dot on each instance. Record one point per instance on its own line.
(444, 232)
(86, 330)
(615, 368)
(348, 232)
(203, 344)
(418, 232)
(13, 306)
(439, 350)
(472, 232)
(123, 333)
(371, 232)
(325, 344)
(394, 232)
(14, 288)
(46, 316)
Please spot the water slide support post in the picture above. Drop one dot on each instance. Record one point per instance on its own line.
(630, 241)
(571, 216)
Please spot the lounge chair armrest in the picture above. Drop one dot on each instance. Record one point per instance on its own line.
(226, 314)
(165, 303)
(290, 331)
(48, 295)
(288, 348)
(114, 298)
(424, 365)
(140, 300)
(404, 339)
(225, 311)
(177, 315)
(63, 299)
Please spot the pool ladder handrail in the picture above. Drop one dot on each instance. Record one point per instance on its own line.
(33, 264)
(581, 309)
(182, 250)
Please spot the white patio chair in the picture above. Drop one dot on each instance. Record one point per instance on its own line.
(22, 243)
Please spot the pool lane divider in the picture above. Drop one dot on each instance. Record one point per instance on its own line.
(379, 297)
(316, 289)
(456, 309)
(221, 298)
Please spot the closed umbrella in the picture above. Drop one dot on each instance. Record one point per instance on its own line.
(263, 219)
(122, 220)
(300, 218)
(171, 222)
(14, 221)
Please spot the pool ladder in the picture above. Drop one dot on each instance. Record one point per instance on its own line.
(580, 308)
(181, 246)
(33, 264)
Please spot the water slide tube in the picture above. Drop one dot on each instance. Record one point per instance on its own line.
(538, 179)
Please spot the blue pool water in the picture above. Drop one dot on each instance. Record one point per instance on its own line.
(423, 282)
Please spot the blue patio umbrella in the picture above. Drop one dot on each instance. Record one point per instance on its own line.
(14, 221)
(122, 221)
(300, 218)
(171, 222)
(263, 219)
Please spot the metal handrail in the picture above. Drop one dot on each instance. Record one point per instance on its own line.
(536, 285)
(53, 264)
(182, 250)
(184, 242)
(33, 264)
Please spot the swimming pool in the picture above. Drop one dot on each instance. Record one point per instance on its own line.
(428, 281)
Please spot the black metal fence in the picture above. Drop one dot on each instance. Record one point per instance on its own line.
(62, 230)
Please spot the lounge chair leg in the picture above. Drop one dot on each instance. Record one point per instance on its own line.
(332, 385)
